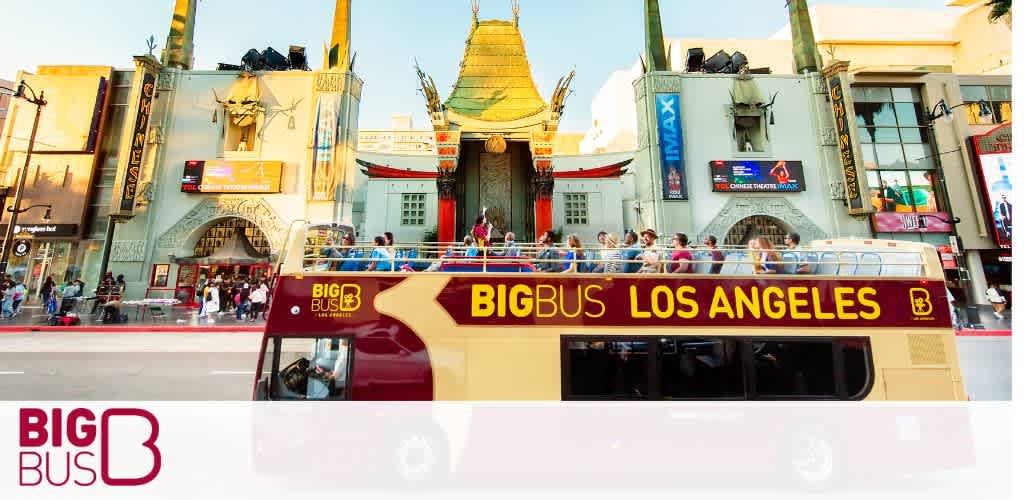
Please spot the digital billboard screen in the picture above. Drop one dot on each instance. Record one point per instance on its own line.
(219, 176)
(994, 152)
(757, 176)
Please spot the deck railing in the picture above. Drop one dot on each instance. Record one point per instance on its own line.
(322, 251)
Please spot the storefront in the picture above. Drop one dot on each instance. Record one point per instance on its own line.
(43, 250)
(993, 157)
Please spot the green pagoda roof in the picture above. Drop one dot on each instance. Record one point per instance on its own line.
(495, 83)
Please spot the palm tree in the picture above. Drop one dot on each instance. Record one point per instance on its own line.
(1000, 10)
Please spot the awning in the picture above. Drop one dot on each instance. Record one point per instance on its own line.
(236, 250)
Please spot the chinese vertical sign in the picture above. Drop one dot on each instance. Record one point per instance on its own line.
(670, 142)
(846, 152)
(129, 189)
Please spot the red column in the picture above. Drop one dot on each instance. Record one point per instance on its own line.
(544, 186)
(542, 216)
(445, 220)
(446, 205)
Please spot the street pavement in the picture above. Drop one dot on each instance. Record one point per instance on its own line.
(128, 367)
(220, 366)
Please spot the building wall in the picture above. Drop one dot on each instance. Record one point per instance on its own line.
(5, 102)
(173, 221)
(707, 137)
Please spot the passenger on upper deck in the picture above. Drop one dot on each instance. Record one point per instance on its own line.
(630, 252)
(755, 254)
(803, 266)
(594, 256)
(574, 254)
(681, 255)
(469, 247)
(511, 249)
(380, 258)
(770, 261)
(611, 255)
(650, 257)
(717, 257)
(482, 231)
(546, 256)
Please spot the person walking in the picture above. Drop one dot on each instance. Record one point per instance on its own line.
(997, 300)
(257, 299)
(47, 295)
(212, 302)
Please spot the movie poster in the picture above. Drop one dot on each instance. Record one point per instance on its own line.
(670, 142)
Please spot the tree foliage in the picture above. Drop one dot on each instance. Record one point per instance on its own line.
(1000, 9)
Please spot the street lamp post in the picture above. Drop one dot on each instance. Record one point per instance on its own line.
(39, 101)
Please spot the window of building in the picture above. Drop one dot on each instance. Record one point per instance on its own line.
(999, 100)
(576, 209)
(414, 209)
(749, 133)
(896, 147)
(709, 368)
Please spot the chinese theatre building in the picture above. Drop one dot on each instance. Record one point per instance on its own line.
(737, 154)
(220, 163)
(494, 139)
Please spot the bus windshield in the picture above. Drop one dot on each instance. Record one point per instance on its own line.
(301, 368)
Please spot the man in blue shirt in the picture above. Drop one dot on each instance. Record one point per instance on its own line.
(630, 251)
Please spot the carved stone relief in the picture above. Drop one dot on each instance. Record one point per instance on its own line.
(779, 208)
(128, 251)
(167, 79)
(255, 210)
(828, 136)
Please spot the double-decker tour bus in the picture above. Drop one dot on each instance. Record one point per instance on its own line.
(834, 320)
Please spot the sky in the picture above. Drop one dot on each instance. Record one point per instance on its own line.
(594, 37)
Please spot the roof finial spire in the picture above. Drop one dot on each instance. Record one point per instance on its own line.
(475, 5)
(515, 13)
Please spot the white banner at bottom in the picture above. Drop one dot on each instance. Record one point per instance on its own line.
(727, 450)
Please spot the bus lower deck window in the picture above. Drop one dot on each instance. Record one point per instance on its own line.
(609, 369)
(715, 368)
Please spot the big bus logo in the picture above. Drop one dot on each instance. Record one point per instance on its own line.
(334, 300)
(59, 449)
(920, 302)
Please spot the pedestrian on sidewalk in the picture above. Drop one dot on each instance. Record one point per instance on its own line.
(48, 296)
(242, 304)
(996, 299)
(212, 302)
(257, 299)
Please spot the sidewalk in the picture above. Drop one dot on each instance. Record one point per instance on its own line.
(33, 317)
(989, 321)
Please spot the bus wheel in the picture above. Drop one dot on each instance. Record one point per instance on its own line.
(814, 459)
(422, 458)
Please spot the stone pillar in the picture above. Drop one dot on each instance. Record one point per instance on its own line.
(331, 182)
(805, 48)
(978, 284)
(178, 51)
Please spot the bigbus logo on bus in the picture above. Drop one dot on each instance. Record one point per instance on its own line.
(920, 302)
(331, 300)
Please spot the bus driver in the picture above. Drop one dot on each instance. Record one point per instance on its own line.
(329, 369)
